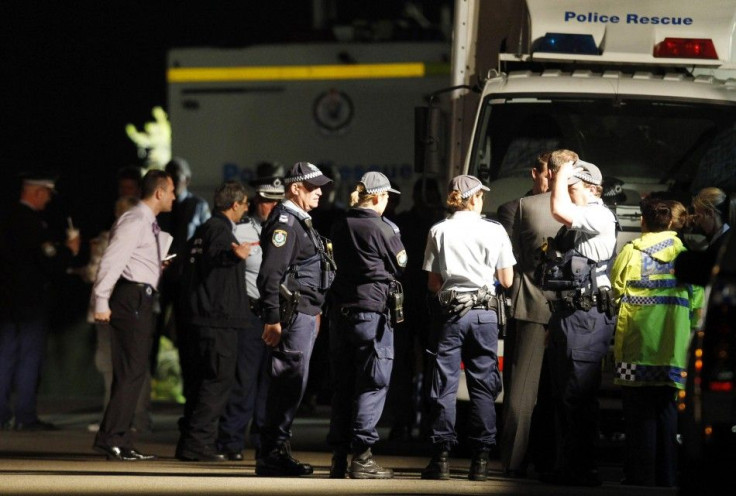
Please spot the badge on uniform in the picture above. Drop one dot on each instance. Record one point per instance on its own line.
(401, 258)
(279, 238)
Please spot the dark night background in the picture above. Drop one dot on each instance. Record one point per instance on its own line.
(75, 73)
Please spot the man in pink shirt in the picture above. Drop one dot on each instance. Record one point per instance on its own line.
(123, 297)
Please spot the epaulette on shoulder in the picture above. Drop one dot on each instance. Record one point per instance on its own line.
(391, 224)
(285, 217)
(492, 221)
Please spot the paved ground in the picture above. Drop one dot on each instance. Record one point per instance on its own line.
(62, 462)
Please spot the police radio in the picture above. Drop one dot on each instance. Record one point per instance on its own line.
(396, 299)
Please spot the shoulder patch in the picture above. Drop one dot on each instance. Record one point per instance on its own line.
(279, 238)
(401, 258)
(283, 218)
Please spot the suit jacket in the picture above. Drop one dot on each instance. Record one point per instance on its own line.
(506, 213)
(533, 224)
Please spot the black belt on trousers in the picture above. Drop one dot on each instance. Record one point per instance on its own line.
(124, 282)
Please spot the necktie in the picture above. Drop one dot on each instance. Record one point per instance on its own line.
(156, 231)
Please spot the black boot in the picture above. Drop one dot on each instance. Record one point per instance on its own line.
(279, 463)
(339, 467)
(479, 466)
(363, 466)
(438, 467)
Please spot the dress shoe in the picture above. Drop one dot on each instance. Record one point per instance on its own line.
(233, 456)
(38, 425)
(137, 455)
(122, 454)
(207, 455)
(438, 467)
(479, 467)
(364, 466)
(279, 463)
(339, 466)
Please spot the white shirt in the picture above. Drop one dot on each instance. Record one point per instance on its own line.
(251, 232)
(595, 236)
(465, 250)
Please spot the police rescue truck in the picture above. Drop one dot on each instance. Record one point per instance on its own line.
(645, 89)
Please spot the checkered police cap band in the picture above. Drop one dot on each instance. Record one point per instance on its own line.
(375, 182)
(467, 185)
(308, 173)
(585, 171)
(305, 177)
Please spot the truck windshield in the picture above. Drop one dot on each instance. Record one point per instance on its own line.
(657, 144)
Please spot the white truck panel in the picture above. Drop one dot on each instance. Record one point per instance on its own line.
(232, 108)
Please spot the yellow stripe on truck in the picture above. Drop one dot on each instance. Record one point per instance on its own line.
(302, 72)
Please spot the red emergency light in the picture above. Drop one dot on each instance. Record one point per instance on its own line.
(685, 48)
(721, 386)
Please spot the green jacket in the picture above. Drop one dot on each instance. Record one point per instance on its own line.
(656, 314)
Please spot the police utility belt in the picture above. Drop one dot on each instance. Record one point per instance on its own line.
(568, 301)
(461, 302)
(394, 305)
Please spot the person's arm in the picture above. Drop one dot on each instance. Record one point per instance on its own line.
(505, 276)
(222, 251)
(431, 265)
(563, 209)
(278, 242)
(434, 282)
(620, 272)
(506, 262)
(123, 240)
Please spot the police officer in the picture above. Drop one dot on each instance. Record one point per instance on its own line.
(295, 274)
(370, 254)
(30, 259)
(582, 319)
(466, 256)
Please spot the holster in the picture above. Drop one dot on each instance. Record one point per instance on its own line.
(289, 301)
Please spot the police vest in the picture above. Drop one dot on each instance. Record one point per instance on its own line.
(563, 268)
(317, 271)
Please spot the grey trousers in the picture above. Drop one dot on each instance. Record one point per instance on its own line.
(523, 364)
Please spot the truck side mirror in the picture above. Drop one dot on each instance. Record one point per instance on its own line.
(427, 139)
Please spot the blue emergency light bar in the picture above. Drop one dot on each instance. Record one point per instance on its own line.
(581, 44)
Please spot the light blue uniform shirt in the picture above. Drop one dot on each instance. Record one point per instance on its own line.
(465, 250)
(595, 235)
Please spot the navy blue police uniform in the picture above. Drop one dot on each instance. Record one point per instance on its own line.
(370, 254)
(581, 327)
(30, 259)
(293, 254)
